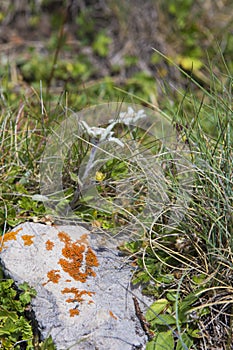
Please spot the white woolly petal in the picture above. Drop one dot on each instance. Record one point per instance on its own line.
(116, 140)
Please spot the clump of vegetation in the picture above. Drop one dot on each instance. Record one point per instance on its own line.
(189, 269)
(15, 329)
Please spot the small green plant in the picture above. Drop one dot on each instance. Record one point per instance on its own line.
(15, 329)
(101, 44)
(172, 319)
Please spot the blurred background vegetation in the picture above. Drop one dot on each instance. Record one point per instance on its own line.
(89, 47)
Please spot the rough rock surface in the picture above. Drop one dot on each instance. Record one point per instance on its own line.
(84, 297)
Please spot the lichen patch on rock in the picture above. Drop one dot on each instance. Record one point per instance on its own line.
(28, 239)
(9, 236)
(83, 297)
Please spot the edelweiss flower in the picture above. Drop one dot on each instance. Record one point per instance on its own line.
(102, 134)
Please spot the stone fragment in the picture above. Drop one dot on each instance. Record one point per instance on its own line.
(84, 296)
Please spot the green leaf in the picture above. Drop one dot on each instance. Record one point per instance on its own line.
(26, 287)
(4, 331)
(198, 279)
(74, 177)
(141, 277)
(164, 320)
(133, 246)
(26, 203)
(171, 296)
(186, 304)
(13, 221)
(25, 329)
(185, 340)
(150, 345)
(28, 293)
(4, 314)
(48, 344)
(9, 326)
(194, 333)
(204, 311)
(156, 308)
(163, 341)
(25, 298)
(6, 284)
(167, 278)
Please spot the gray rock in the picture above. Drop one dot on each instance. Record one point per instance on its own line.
(84, 296)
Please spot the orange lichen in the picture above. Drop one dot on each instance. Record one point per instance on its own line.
(78, 297)
(91, 259)
(64, 237)
(9, 236)
(79, 259)
(49, 245)
(53, 276)
(112, 315)
(28, 239)
(73, 312)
